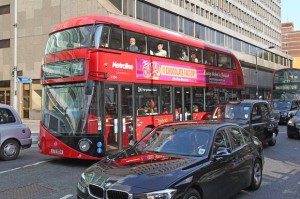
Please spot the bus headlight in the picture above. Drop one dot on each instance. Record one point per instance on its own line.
(84, 144)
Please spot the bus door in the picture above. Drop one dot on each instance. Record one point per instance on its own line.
(119, 114)
(183, 103)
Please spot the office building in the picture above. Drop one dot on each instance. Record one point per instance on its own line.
(291, 42)
(247, 27)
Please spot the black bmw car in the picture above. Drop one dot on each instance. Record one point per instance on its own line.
(188, 160)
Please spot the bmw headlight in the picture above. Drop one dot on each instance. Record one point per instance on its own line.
(84, 144)
(298, 125)
(82, 184)
(163, 194)
(290, 123)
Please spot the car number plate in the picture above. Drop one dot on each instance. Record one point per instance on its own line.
(57, 151)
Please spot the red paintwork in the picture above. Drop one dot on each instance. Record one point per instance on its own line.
(48, 142)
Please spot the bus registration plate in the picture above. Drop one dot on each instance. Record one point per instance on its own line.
(57, 151)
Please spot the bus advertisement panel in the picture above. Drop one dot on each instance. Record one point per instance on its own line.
(106, 84)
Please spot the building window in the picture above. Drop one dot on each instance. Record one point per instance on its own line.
(4, 9)
(129, 8)
(168, 20)
(117, 3)
(5, 43)
(188, 27)
(146, 12)
(200, 32)
(220, 38)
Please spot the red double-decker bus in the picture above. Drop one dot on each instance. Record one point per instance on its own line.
(107, 82)
(286, 84)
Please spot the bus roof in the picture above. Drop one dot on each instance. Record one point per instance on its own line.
(160, 33)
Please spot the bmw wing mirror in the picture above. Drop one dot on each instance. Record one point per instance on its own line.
(221, 153)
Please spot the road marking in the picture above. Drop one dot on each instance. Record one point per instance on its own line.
(67, 196)
(23, 167)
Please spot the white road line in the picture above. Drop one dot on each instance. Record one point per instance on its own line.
(67, 196)
(29, 165)
(10, 170)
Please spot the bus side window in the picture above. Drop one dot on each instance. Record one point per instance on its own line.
(179, 51)
(101, 37)
(116, 39)
(209, 57)
(140, 42)
(159, 47)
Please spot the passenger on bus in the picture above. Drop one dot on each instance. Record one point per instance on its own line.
(178, 113)
(160, 51)
(209, 60)
(184, 55)
(195, 108)
(132, 47)
(194, 57)
(165, 110)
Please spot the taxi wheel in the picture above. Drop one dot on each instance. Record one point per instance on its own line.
(9, 150)
(256, 176)
(192, 194)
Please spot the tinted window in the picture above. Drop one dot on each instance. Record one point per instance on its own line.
(184, 141)
(6, 116)
(221, 141)
(264, 110)
(239, 138)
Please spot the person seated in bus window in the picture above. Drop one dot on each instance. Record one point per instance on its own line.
(178, 112)
(184, 56)
(132, 47)
(143, 49)
(194, 57)
(165, 111)
(209, 60)
(195, 108)
(104, 43)
(160, 51)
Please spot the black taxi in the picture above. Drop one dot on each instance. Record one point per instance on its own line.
(254, 115)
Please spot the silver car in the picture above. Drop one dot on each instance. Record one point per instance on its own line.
(13, 134)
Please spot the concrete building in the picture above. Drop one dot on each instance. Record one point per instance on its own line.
(246, 27)
(291, 42)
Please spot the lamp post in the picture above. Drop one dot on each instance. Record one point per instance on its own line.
(15, 70)
(256, 70)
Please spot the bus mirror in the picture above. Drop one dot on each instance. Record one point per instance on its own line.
(89, 85)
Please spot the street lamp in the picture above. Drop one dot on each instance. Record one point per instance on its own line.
(15, 69)
(256, 71)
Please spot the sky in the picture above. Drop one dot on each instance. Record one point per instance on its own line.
(290, 12)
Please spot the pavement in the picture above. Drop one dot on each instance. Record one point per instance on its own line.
(34, 126)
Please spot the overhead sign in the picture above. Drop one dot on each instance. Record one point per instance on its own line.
(24, 80)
